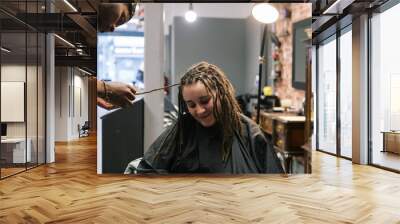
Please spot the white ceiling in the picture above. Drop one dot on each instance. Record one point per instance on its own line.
(215, 10)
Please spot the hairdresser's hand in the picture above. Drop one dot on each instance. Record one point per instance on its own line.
(104, 104)
(120, 94)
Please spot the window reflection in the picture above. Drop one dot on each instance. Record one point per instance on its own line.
(23, 84)
(327, 97)
(346, 94)
(15, 146)
(120, 54)
(385, 89)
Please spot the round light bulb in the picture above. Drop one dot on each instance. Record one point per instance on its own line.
(190, 16)
(265, 13)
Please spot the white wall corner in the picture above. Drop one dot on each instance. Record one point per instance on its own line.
(153, 78)
(50, 101)
(360, 90)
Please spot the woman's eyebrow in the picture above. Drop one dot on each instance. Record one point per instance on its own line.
(200, 98)
(204, 97)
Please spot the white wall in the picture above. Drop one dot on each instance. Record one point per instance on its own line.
(61, 103)
(12, 73)
(33, 126)
(80, 102)
(71, 94)
(15, 72)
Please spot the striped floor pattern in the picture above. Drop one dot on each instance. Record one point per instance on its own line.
(70, 191)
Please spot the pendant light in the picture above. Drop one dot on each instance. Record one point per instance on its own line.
(265, 13)
(190, 15)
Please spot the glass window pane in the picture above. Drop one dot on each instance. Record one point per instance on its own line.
(327, 97)
(31, 97)
(385, 84)
(23, 82)
(41, 98)
(14, 153)
(346, 94)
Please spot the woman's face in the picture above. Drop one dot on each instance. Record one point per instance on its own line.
(199, 103)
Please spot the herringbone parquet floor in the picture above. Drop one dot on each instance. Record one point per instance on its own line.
(70, 191)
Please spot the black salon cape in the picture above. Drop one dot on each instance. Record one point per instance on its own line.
(201, 151)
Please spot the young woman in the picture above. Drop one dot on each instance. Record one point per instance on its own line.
(211, 135)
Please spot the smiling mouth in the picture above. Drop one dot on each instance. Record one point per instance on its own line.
(203, 117)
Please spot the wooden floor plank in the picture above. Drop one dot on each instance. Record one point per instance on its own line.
(70, 191)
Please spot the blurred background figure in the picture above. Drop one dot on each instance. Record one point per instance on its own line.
(111, 15)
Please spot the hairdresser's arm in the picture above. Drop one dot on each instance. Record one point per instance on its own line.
(117, 93)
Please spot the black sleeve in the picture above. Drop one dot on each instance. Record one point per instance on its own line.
(273, 164)
(263, 151)
(161, 153)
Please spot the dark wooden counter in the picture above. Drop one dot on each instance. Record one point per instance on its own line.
(286, 131)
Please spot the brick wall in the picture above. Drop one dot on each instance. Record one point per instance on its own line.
(283, 87)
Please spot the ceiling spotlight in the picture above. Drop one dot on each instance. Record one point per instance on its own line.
(265, 13)
(70, 6)
(5, 50)
(84, 71)
(65, 41)
(190, 15)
